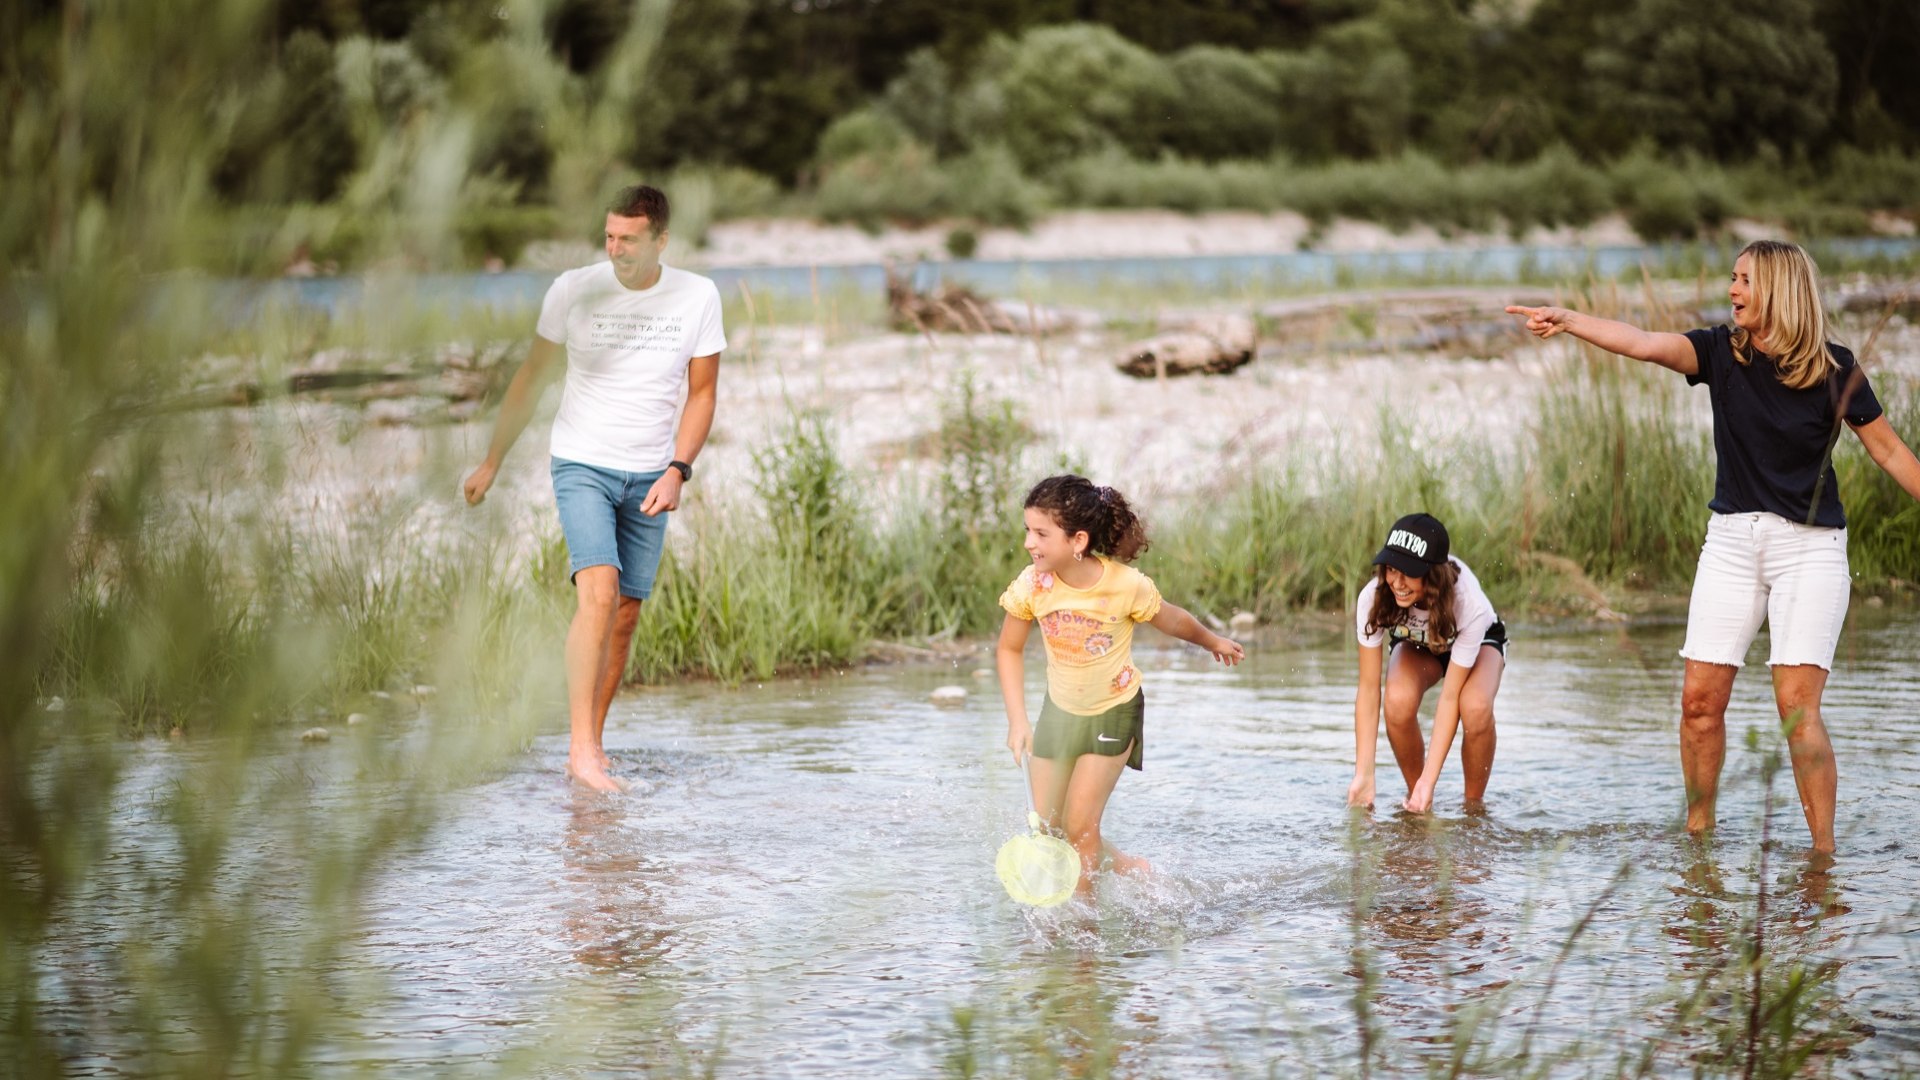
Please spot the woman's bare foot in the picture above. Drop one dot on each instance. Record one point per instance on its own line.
(606, 763)
(1131, 865)
(589, 773)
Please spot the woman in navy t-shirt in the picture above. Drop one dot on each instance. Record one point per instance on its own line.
(1776, 547)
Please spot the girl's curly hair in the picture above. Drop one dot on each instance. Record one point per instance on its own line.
(1080, 505)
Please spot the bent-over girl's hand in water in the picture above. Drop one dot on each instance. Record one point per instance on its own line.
(1360, 792)
(1226, 650)
(1420, 799)
(1019, 739)
(1544, 322)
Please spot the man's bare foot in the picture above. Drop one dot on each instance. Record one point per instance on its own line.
(589, 774)
(1131, 865)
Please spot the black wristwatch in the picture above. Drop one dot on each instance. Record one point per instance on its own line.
(686, 470)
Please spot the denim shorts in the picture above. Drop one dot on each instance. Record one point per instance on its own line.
(601, 519)
(1758, 567)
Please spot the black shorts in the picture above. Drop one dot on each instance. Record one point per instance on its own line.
(1496, 637)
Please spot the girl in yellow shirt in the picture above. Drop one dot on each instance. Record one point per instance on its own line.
(1086, 599)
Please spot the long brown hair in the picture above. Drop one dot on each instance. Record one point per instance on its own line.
(1438, 602)
(1080, 505)
(1785, 294)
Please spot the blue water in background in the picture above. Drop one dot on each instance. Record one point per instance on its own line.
(520, 289)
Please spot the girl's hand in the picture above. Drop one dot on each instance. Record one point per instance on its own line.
(1420, 799)
(1226, 650)
(1019, 740)
(1360, 792)
(1544, 322)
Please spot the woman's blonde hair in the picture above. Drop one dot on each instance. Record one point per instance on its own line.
(1785, 296)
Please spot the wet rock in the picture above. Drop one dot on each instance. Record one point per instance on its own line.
(381, 695)
(356, 719)
(315, 734)
(1243, 621)
(423, 690)
(948, 696)
(177, 733)
(982, 673)
(56, 704)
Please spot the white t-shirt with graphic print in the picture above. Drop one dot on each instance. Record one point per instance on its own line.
(1473, 615)
(627, 353)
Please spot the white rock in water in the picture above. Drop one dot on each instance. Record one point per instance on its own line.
(56, 704)
(423, 690)
(382, 695)
(983, 673)
(1243, 621)
(356, 719)
(949, 695)
(315, 734)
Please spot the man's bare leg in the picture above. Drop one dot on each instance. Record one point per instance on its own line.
(1703, 736)
(1796, 691)
(619, 643)
(598, 592)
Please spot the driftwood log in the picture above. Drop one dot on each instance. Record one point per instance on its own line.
(450, 383)
(946, 309)
(1213, 345)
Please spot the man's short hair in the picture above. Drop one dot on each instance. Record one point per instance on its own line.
(642, 201)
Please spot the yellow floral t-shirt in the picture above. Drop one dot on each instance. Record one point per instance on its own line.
(1089, 632)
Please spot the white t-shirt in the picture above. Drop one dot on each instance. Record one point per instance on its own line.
(627, 354)
(1472, 616)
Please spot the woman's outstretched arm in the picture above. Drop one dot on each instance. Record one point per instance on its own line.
(1655, 347)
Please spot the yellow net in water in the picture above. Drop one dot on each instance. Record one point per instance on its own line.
(1038, 868)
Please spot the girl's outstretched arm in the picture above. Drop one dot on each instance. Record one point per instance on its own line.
(1174, 621)
(1887, 451)
(1010, 661)
(1668, 350)
(1366, 726)
(1446, 721)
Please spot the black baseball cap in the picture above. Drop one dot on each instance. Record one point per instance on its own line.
(1416, 544)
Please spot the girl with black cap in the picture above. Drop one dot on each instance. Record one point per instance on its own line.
(1424, 618)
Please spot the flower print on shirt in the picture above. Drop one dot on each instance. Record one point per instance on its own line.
(1124, 679)
(1042, 581)
(1097, 644)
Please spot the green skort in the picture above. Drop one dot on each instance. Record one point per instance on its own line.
(1061, 735)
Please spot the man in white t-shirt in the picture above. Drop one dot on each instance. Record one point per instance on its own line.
(632, 336)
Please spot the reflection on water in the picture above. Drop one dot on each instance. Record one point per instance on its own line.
(806, 887)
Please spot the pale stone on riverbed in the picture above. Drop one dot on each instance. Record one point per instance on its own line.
(949, 695)
(315, 734)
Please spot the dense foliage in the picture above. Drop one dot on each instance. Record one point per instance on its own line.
(910, 109)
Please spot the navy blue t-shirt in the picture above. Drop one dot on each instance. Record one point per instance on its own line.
(1769, 442)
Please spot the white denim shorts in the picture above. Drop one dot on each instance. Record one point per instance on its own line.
(1762, 566)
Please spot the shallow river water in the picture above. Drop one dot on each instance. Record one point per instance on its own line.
(802, 884)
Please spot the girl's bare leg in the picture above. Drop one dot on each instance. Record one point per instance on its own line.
(1411, 673)
(1477, 738)
(1089, 786)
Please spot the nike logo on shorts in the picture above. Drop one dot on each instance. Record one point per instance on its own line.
(1104, 738)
